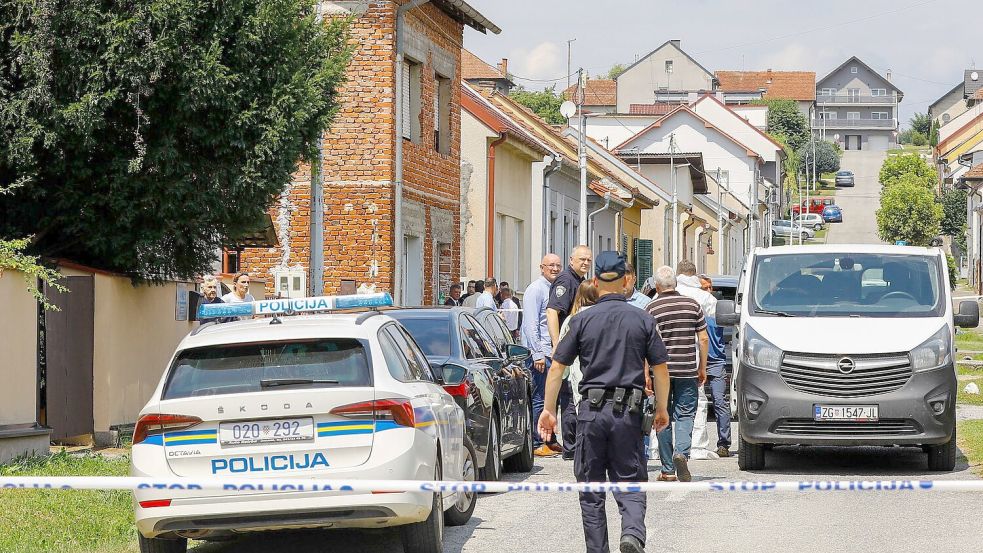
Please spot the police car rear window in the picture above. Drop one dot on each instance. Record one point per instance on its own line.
(258, 367)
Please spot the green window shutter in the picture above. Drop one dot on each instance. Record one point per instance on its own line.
(624, 244)
(643, 261)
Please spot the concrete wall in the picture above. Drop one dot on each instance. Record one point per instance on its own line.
(952, 105)
(513, 203)
(738, 127)
(135, 336)
(612, 131)
(564, 202)
(474, 195)
(756, 115)
(844, 78)
(18, 327)
(638, 84)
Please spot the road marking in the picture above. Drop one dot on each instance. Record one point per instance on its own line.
(676, 497)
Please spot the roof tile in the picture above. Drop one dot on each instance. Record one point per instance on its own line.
(598, 92)
(660, 108)
(794, 85)
(473, 67)
(976, 173)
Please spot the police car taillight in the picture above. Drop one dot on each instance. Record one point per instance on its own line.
(460, 390)
(150, 425)
(399, 411)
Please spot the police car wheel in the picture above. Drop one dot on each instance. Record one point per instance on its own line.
(492, 471)
(160, 545)
(942, 457)
(750, 456)
(523, 460)
(427, 536)
(460, 513)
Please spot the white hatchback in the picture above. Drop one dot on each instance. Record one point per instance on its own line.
(327, 396)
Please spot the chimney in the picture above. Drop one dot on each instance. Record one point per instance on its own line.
(503, 67)
(888, 75)
(675, 43)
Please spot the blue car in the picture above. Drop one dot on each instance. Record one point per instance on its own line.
(833, 214)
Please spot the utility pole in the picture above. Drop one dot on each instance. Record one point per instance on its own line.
(675, 202)
(582, 151)
(569, 43)
(720, 223)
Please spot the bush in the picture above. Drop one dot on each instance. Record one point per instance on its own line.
(907, 164)
(953, 270)
(918, 139)
(908, 212)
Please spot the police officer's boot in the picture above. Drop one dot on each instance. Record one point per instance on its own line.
(631, 544)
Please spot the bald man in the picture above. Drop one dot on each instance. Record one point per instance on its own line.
(536, 337)
(557, 309)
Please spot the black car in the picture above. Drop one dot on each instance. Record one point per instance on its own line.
(497, 392)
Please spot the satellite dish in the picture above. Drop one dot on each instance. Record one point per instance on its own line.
(568, 109)
(974, 75)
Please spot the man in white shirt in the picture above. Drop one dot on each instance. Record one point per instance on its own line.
(510, 312)
(487, 297)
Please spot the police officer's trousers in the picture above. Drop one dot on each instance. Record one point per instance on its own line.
(609, 448)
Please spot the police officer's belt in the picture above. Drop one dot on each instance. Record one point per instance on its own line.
(622, 397)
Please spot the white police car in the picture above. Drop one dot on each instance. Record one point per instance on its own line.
(319, 396)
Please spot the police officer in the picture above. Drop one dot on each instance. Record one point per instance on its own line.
(562, 292)
(614, 341)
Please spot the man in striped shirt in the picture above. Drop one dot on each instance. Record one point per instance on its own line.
(682, 325)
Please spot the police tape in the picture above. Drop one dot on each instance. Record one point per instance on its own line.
(252, 485)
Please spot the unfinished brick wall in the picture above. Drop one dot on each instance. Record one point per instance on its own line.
(359, 165)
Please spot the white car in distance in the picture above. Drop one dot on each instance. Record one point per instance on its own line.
(322, 396)
(814, 221)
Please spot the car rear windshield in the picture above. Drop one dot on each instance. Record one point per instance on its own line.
(847, 285)
(239, 368)
(432, 334)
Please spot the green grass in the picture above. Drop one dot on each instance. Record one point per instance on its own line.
(970, 439)
(908, 149)
(969, 399)
(71, 520)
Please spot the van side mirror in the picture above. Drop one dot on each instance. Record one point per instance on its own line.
(453, 374)
(516, 353)
(968, 315)
(726, 314)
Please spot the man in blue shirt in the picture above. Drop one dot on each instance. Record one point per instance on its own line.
(633, 296)
(536, 337)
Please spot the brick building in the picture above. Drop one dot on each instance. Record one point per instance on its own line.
(391, 167)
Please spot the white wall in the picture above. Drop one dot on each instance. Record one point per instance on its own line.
(956, 123)
(564, 201)
(756, 115)
(734, 125)
(610, 131)
(474, 194)
(638, 84)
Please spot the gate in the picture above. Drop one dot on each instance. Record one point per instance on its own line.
(66, 340)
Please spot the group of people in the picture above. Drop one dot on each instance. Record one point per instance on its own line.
(604, 351)
(489, 293)
(210, 287)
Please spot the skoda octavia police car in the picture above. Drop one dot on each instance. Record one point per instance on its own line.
(320, 396)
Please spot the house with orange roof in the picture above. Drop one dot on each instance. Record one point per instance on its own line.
(597, 96)
(480, 74)
(799, 86)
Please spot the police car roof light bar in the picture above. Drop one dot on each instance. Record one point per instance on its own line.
(287, 306)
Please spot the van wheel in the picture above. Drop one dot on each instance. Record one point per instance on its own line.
(427, 536)
(522, 461)
(460, 512)
(804, 235)
(943, 457)
(160, 545)
(750, 456)
(492, 471)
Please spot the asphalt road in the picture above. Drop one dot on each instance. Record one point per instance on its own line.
(682, 522)
(859, 203)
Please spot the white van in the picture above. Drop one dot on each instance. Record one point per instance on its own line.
(845, 345)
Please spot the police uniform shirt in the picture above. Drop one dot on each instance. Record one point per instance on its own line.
(562, 292)
(614, 340)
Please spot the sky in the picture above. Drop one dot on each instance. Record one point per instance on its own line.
(927, 44)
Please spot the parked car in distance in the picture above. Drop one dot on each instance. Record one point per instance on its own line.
(833, 214)
(497, 392)
(814, 221)
(784, 228)
(844, 178)
(816, 204)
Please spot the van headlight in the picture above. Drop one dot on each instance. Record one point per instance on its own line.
(933, 353)
(760, 353)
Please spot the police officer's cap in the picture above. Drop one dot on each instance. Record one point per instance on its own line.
(609, 262)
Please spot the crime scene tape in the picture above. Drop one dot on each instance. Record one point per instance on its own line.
(395, 486)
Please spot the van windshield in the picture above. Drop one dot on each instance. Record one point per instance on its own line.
(847, 285)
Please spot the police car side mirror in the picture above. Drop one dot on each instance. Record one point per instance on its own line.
(453, 374)
(968, 316)
(516, 353)
(726, 314)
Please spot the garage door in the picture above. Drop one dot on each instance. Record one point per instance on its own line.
(877, 143)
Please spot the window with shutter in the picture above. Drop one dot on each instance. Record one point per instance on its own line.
(643, 260)
(405, 93)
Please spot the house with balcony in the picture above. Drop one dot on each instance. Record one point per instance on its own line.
(857, 107)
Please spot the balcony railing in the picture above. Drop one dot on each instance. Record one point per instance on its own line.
(849, 99)
(853, 123)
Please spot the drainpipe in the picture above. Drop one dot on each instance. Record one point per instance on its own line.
(398, 154)
(590, 217)
(490, 224)
(689, 223)
(553, 167)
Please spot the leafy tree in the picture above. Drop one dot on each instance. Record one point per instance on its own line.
(918, 139)
(904, 137)
(954, 216)
(12, 257)
(895, 167)
(827, 160)
(908, 212)
(933, 138)
(141, 135)
(784, 118)
(545, 104)
(616, 70)
(921, 123)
